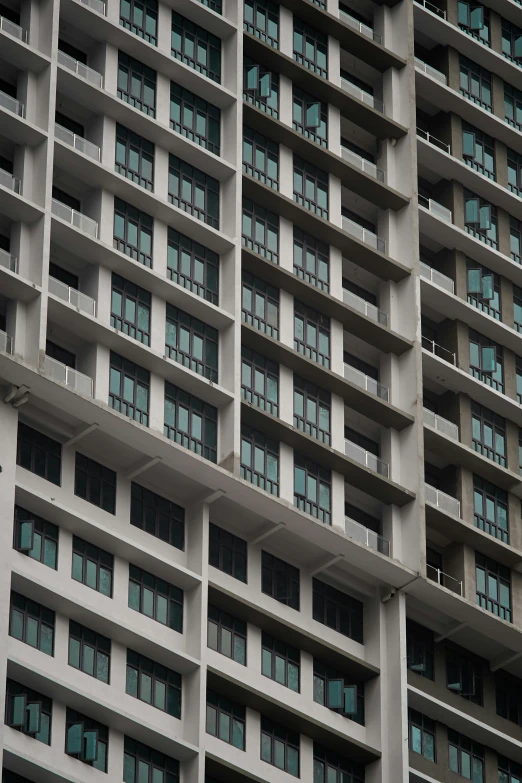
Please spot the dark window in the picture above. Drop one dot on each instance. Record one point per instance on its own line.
(153, 683)
(39, 453)
(359, 364)
(260, 157)
(92, 566)
(133, 232)
(31, 623)
(421, 734)
(141, 18)
(509, 697)
(95, 483)
(280, 580)
(420, 650)
(134, 157)
(261, 18)
(227, 635)
(311, 410)
(259, 381)
(280, 662)
(518, 378)
(311, 187)
(280, 746)
(511, 42)
(12, 777)
(312, 334)
(259, 460)
(261, 87)
(312, 489)
(260, 305)
(130, 309)
(310, 48)
(193, 266)
(474, 20)
(515, 239)
(329, 767)
(72, 51)
(10, 89)
(129, 389)
(493, 584)
(480, 219)
(194, 118)
(485, 359)
(28, 711)
(192, 343)
(478, 150)
(36, 537)
(158, 516)
(310, 116)
(226, 719)
(61, 355)
(190, 422)
(363, 449)
(475, 83)
(155, 598)
(337, 610)
(227, 552)
(517, 307)
(464, 675)
(66, 277)
(193, 191)
(514, 163)
(86, 740)
(10, 14)
(491, 509)
(513, 106)
(509, 771)
(142, 764)
(338, 693)
(196, 47)
(311, 260)
(90, 652)
(136, 84)
(69, 124)
(483, 289)
(466, 757)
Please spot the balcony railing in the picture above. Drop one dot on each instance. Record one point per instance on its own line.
(437, 277)
(8, 181)
(70, 377)
(433, 140)
(8, 261)
(366, 236)
(445, 580)
(365, 382)
(440, 424)
(6, 342)
(437, 209)
(78, 142)
(360, 304)
(361, 163)
(430, 71)
(431, 8)
(82, 70)
(362, 95)
(438, 350)
(366, 458)
(13, 29)
(96, 5)
(363, 28)
(445, 502)
(11, 104)
(366, 536)
(75, 298)
(77, 219)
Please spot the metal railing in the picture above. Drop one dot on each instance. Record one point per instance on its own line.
(360, 304)
(430, 71)
(78, 142)
(75, 298)
(8, 181)
(431, 8)
(443, 501)
(434, 140)
(363, 28)
(437, 278)
(440, 424)
(444, 580)
(70, 377)
(77, 219)
(366, 458)
(438, 350)
(361, 163)
(365, 382)
(11, 104)
(9, 261)
(362, 95)
(79, 68)
(437, 209)
(13, 29)
(366, 236)
(96, 5)
(6, 342)
(364, 535)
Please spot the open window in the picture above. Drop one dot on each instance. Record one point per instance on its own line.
(471, 16)
(468, 144)
(488, 358)
(312, 118)
(24, 536)
(255, 80)
(341, 697)
(461, 678)
(24, 715)
(477, 215)
(417, 658)
(82, 743)
(481, 285)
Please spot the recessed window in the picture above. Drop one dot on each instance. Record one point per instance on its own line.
(193, 191)
(337, 610)
(136, 84)
(312, 489)
(311, 187)
(310, 116)
(260, 230)
(261, 87)
(259, 381)
(226, 635)
(493, 585)
(421, 734)
(259, 460)
(193, 266)
(153, 683)
(158, 516)
(311, 410)
(227, 552)
(260, 157)
(260, 305)
(31, 623)
(92, 566)
(464, 675)
(190, 422)
(36, 537)
(134, 157)
(196, 47)
(86, 740)
(95, 483)
(280, 580)
(130, 309)
(133, 232)
(226, 719)
(310, 48)
(338, 692)
(280, 662)
(28, 712)
(330, 767)
(129, 389)
(142, 764)
(420, 650)
(39, 453)
(155, 598)
(141, 18)
(192, 343)
(261, 18)
(491, 506)
(475, 83)
(195, 119)
(280, 746)
(311, 260)
(466, 758)
(89, 652)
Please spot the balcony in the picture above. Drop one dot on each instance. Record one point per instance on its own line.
(362, 95)
(445, 580)
(440, 424)
(437, 278)
(362, 28)
(82, 302)
(13, 29)
(366, 236)
(361, 163)
(78, 142)
(11, 104)
(438, 350)
(8, 181)
(431, 8)
(6, 342)
(8, 261)
(436, 209)
(366, 458)
(369, 310)
(446, 503)
(430, 71)
(364, 535)
(433, 140)
(96, 5)
(77, 219)
(79, 68)
(365, 382)
(72, 378)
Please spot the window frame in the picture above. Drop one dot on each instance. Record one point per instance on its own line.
(145, 667)
(318, 41)
(106, 480)
(146, 504)
(185, 250)
(46, 531)
(237, 630)
(314, 260)
(310, 393)
(271, 650)
(252, 21)
(189, 103)
(260, 446)
(136, 754)
(199, 331)
(502, 576)
(267, 103)
(287, 738)
(259, 290)
(462, 745)
(208, 415)
(302, 103)
(136, 71)
(201, 39)
(74, 718)
(141, 223)
(103, 561)
(185, 175)
(149, 9)
(172, 596)
(39, 614)
(312, 321)
(31, 439)
(289, 581)
(101, 646)
(141, 381)
(324, 594)
(260, 369)
(140, 299)
(221, 542)
(143, 148)
(315, 477)
(306, 173)
(493, 498)
(236, 714)
(426, 727)
(256, 219)
(30, 698)
(270, 152)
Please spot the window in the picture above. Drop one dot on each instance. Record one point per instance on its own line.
(280, 580)
(337, 610)
(192, 343)
(142, 764)
(478, 150)
(39, 453)
(509, 697)
(280, 746)
(129, 389)
(259, 381)
(483, 289)
(260, 157)
(61, 355)
(311, 260)
(226, 635)
(153, 683)
(92, 566)
(518, 378)
(312, 489)
(193, 191)
(474, 20)
(310, 116)
(260, 230)
(261, 18)
(311, 187)
(509, 771)
(259, 460)
(12, 777)
(311, 410)
(493, 587)
(136, 84)
(280, 662)
(196, 47)
(133, 232)
(466, 758)
(491, 509)
(226, 720)
(227, 552)
(59, 273)
(517, 308)
(329, 767)
(480, 219)
(261, 87)
(485, 358)
(158, 516)
(86, 740)
(36, 537)
(89, 652)
(464, 675)
(511, 41)
(130, 309)
(195, 119)
(311, 334)
(95, 483)
(155, 598)
(193, 266)
(338, 693)
(513, 106)
(141, 18)
(421, 734)
(134, 157)
(515, 239)
(475, 83)
(260, 305)
(190, 422)
(31, 623)
(514, 163)
(310, 48)
(28, 712)
(488, 433)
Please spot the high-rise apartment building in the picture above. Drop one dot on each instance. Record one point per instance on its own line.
(261, 391)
